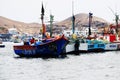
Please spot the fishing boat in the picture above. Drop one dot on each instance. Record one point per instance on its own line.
(87, 45)
(91, 43)
(73, 46)
(52, 47)
(1, 44)
(113, 35)
(110, 45)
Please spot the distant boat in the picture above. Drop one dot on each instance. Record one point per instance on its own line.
(1, 44)
(52, 47)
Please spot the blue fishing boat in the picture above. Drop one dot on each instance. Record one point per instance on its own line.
(54, 47)
(90, 43)
(48, 47)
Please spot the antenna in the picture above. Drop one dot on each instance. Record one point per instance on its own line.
(73, 18)
(72, 7)
(112, 11)
(116, 19)
(51, 24)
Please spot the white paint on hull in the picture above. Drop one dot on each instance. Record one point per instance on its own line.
(111, 46)
(70, 47)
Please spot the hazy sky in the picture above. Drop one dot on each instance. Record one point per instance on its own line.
(30, 10)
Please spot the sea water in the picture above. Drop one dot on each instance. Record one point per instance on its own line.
(89, 66)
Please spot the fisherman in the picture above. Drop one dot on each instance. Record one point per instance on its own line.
(47, 36)
(77, 43)
(32, 40)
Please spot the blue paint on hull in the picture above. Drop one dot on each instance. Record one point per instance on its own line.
(48, 48)
(95, 45)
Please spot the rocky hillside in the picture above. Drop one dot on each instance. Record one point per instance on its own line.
(81, 20)
(21, 26)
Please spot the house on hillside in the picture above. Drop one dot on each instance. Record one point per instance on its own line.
(83, 32)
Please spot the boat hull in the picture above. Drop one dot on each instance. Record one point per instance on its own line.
(111, 46)
(2, 46)
(118, 44)
(52, 48)
(86, 47)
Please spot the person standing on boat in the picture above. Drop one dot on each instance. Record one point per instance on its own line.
(77, 44)
(32, 40)
(47, 36)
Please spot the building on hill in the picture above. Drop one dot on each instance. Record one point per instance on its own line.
(13, 31)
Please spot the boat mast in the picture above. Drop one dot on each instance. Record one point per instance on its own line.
(73, 18)
(51, 24)
(116, 21)
(90, 21)
(42, 19)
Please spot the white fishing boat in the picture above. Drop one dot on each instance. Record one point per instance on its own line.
(72, 47)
